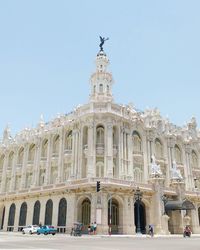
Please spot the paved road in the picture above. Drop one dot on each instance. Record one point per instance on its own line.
(16, 241)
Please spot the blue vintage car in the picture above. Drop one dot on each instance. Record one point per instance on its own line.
(47, 230)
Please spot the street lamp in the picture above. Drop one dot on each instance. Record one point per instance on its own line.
(138, 197)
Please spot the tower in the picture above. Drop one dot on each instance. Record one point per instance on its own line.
(101, 81)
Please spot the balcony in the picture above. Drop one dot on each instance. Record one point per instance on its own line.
(68, 151)
(100, 149)
(115, 150)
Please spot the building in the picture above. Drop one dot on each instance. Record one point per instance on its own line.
(147, 168)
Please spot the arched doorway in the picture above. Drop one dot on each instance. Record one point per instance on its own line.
(140, 217)
(11, 217)
(62, 212)
(2, 218)
(22, 216)
(36, 213)
(86, 212)
(48, 212)
(113, 215)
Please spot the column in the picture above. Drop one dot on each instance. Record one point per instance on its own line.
(109, 153)
(42, 210)
(130, 156)
(23, 171)
(13, 172)
(128, 216)
(158, 206)
(36, 171)
(146, 159)
(29, 215)
(55, 211)
(91, 150)
(71, 211)
(3, 181)
(121, 160)
(80, 153)
(48, 164)
(60, 157)
(17, 212)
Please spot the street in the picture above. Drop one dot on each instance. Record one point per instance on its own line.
(18, 241)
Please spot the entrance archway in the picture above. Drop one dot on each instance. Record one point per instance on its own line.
(36, 213)
(62, 212)
(141, 216)
(114, 214)
(22, 216)
(48, 212)
(86, 212)
(11, 217)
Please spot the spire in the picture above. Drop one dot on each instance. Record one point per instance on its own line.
(6, 135)
(101, 81)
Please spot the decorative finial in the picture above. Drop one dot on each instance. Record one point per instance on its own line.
(102, 40)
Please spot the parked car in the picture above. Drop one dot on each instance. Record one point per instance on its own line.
(31, 229)
(47, 230)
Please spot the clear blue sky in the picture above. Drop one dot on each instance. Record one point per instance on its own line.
(48, 48)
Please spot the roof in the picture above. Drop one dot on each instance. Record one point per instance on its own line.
(179, 205)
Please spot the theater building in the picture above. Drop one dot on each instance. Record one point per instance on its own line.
(148, 168)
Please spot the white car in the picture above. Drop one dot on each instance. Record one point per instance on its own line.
(31, 229)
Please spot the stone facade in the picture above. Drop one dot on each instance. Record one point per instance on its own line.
(48, 174)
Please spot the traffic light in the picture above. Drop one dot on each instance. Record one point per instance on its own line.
(98, 186)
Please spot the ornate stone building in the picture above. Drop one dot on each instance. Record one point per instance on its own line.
(148, 168)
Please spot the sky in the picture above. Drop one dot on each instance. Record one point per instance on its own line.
(48, 49)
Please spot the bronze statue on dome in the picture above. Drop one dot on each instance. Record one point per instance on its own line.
(102, 40)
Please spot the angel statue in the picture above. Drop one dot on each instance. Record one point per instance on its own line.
(102, 40)
(155, 168)
(175, 173)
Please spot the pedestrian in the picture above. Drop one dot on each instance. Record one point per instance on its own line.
(151, 230)
(95, 227)
(89, 229)
(92, 228)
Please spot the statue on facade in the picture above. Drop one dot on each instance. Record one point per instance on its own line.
(175, 173)
(102, 41)
(155, 168)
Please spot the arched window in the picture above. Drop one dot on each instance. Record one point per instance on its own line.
(48, 212)
(100, 135)
(11, 217)
(158, 149)
(101, 88)
(137, 142)
(137, 174)
(31, 153)
(178, 155)
(100, 169)
(62, 211)
(56, 145)
(194, 159)
(86, 211)
(1, 161)
(10, 160)
(114, 214)
(44, 149)
(20, 157)
(36, 213)
(2, 218)
(22, 215)
(68, 141)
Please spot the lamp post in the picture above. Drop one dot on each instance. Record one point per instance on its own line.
(138, 198)
(164, 199)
